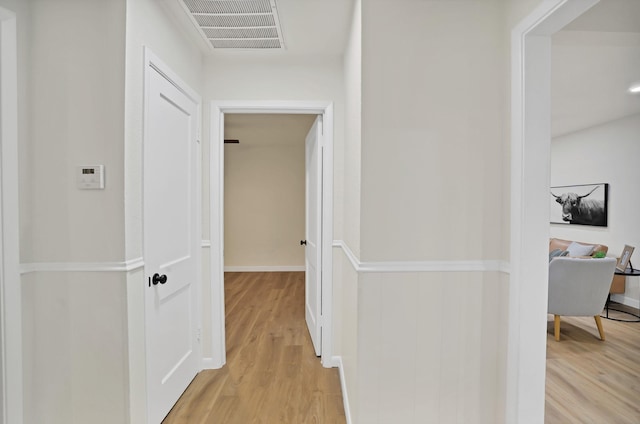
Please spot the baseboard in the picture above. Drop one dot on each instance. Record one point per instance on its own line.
(262, 268)
(626, 300)
(343, 385)
(210, 364)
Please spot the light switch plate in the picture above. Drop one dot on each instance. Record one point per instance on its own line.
(90, 177)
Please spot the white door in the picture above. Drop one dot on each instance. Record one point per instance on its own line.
(171, 233)
(313, 251)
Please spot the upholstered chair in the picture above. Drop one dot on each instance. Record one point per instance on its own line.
(579, 287)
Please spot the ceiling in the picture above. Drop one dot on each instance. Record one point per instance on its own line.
(594, 61)
(609, 16)
(261, 130)
(596, 57)
(309, 27)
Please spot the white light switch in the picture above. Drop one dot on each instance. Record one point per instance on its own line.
(90, 177)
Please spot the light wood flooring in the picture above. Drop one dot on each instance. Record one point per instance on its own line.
(272, 374)
(593, 381)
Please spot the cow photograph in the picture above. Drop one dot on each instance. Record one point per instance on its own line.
(579, 204)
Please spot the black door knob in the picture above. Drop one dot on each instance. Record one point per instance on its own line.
(157, 278)
(303, 242)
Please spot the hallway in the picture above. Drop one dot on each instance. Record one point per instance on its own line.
(272, 374)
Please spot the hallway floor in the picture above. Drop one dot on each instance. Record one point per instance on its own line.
(272, 374)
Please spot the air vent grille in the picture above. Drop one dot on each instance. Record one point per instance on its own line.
(237, 24)
(235, 21)
(245, 44)
(229, 6)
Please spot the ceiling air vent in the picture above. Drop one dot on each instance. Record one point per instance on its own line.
(237, 24)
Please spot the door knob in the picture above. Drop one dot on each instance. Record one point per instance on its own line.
(157, 278)
(303, 242)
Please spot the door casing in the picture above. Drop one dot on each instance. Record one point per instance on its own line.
(11, 398)
(216, 191)
(530, 176)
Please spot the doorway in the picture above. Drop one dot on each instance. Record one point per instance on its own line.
(325, 211)
(271, 201)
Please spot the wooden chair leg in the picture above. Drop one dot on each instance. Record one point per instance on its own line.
(599, 324)
(556, 327)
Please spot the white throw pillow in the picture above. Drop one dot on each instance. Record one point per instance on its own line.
(577, 249)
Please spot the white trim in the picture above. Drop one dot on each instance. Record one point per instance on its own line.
(10, 288)
(127, 266)
(423, 266)
(265, 268)
(209, 364)
(343, 384)
(626, 300)
(530, 147)
(216, 179)
(355, 262)
(206, 244)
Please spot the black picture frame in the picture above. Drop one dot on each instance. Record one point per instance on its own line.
(583, 204)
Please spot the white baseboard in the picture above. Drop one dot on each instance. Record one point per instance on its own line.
(343, 384)
(210, 364)
(263, 268)
(626, 300)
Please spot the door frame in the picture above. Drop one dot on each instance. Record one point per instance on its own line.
(216, 205)
(530, 181)
(10, 287)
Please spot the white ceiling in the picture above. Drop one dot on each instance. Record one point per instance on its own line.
(595, 59)
(261, 130)
(309, 27)
(609, 16)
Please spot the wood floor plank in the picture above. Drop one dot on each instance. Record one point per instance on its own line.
(272, 374)
(590, 380)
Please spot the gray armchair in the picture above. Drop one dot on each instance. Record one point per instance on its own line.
(579, 287)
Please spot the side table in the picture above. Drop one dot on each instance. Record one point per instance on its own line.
(629, 272)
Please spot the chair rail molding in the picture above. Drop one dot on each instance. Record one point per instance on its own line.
(422, 266)
(126, 266)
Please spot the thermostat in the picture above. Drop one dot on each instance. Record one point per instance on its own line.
(90, 177)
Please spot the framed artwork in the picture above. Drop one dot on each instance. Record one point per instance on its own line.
(625, 258)
(579, 204)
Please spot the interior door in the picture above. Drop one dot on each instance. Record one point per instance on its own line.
(171, 152)
(313, 251)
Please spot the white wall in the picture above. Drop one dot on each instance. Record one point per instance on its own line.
(264, 190)
(75, 121)
(433, 139)
(74, 323)
(604, 154)
(431, 345)
(353, 131)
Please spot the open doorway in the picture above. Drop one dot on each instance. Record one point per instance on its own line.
(270, 225)
(324, 211)
(264, 191)
(594, 125)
